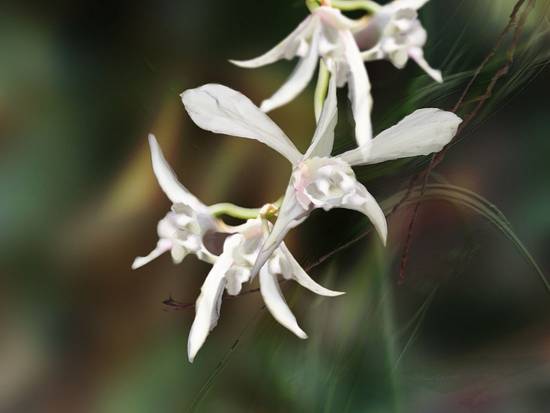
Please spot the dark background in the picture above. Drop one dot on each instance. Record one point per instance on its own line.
(81, 86)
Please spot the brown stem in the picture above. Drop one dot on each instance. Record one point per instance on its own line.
(438, 158)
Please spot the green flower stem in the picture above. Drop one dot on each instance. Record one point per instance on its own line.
(312, 4)
(235, 211)
(349, 5)
(321, 89)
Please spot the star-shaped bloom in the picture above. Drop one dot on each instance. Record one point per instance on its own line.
(395, 33)
(318, 179)
(234, 267)
(183, 229)
(325, 34)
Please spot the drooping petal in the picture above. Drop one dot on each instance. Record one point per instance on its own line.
(163, 246)
(417, 54)
(207, 308)
(365, 203)
(299, 78)
(288, 48)
(276, 304)
(359, 91)
(220, 109)
(323, 139)
(168, 181)
(302, 277)
(423, 132)
(291, 214)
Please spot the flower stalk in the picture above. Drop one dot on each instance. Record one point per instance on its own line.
(268, 211)
(351, 5)
(321, 89)
(235, 211)
(312, 4)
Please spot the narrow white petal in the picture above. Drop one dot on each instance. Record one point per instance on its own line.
(334, 18)
(163, 246)
(323, 140)
(302, 277)
(417, 54)
(407, 4)
(423, 132)
(299, 78)
(286, 49)
(207, 308)
(356, 156)
(220, 109)
(276, 304)
(168, 181)
(359, 91)
(291, 214)
(364, 202)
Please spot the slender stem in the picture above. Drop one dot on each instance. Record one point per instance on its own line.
(349, 5)
(321, 89)
(312, 4)
(277, 204)
(235, 211)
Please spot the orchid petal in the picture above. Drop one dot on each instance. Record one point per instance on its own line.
(178, 253)
(374, 53)
(276, 304)
(365, 203)
(359, 91)
(287, 49)
(168, 181)
(302, 277)
(207, 307)
(423, 132)
(334, 18)
(299, 78)
(291, 214)
(417, 54)
(220, 109)
(407, 4)
(163, 246)
(323, 140)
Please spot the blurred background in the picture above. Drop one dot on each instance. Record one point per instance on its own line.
(81, 86)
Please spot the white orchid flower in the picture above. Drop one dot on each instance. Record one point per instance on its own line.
(183, 229)
(234, 267)
(395, 33)
(319, 180)
(327, 34)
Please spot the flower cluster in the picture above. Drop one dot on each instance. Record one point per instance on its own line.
(339, 46)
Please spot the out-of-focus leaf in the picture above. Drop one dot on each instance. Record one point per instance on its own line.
(416, 321)
(203, 391)
(135, 186)
(478, 204)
